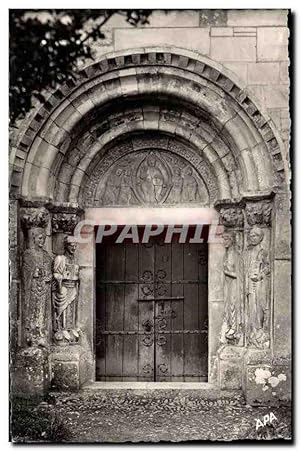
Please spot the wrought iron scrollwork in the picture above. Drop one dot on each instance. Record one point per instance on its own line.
(147, 290)
(161, 274)
(147, 276)
(147, 369)
(162, 323)
(161, 340)
(163, 368)
(147, 340)
(161, 290)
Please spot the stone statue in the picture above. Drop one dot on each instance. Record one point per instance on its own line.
(65, 294)
(257, 291)
(36, 274)
(232, 268)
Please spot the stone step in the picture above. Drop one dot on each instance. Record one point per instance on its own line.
(141, 393)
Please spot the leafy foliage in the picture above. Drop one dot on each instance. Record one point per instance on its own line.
(46, 46)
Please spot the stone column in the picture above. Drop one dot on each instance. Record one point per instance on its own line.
(30, 374)
(232, 336)
(68, 353)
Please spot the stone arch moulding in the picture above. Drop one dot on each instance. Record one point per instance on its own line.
(163, 91)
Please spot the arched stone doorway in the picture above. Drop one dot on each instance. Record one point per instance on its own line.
(84, 152)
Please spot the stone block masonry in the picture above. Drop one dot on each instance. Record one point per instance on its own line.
(252, 44)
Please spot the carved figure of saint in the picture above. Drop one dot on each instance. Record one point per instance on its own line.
(232, 269)
(176, 191)
(125, 188)
(65, 293)
(36, 276)
(257, 291)
(190, 186)
(152, 180)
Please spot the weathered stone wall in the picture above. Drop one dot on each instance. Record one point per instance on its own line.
(252, 44)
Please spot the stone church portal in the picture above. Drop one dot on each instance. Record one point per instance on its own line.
(145, 133)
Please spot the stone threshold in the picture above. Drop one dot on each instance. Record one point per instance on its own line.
(148, 386)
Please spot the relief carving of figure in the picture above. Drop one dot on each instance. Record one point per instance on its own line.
(232, 268)
(257, 291)
(190, 186)
(37, 290)
(125, 194)
(152, 180)
(65, 294)
(112, 188)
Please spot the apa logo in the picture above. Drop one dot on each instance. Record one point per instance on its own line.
(267, 419)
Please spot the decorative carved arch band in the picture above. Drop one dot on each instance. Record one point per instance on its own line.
(174, 92)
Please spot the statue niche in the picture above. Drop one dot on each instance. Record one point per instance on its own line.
(37, 276)
(232, 267)
(152, 177)
(257, 291)
(65, 294)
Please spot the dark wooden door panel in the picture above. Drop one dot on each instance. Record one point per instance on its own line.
(151, 312)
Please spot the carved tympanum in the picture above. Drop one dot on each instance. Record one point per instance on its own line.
(151, 177)
(232, 268)
(257, 290)
(65, 294)
(36, 273)
(259, 213)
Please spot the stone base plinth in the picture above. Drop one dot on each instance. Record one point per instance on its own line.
(30, 375)
(231, 367)
(267, 382)
(268, 385)
(68, 366)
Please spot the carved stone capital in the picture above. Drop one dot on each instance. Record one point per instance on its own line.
(259, 213)
(64, 222)
(231, 216)
(32, 217)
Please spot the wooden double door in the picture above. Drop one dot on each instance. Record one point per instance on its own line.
(151, 312)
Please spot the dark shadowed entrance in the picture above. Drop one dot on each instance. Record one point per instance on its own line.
(151, 312)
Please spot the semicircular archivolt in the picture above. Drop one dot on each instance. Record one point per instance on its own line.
(151, 177)
(255, 152)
